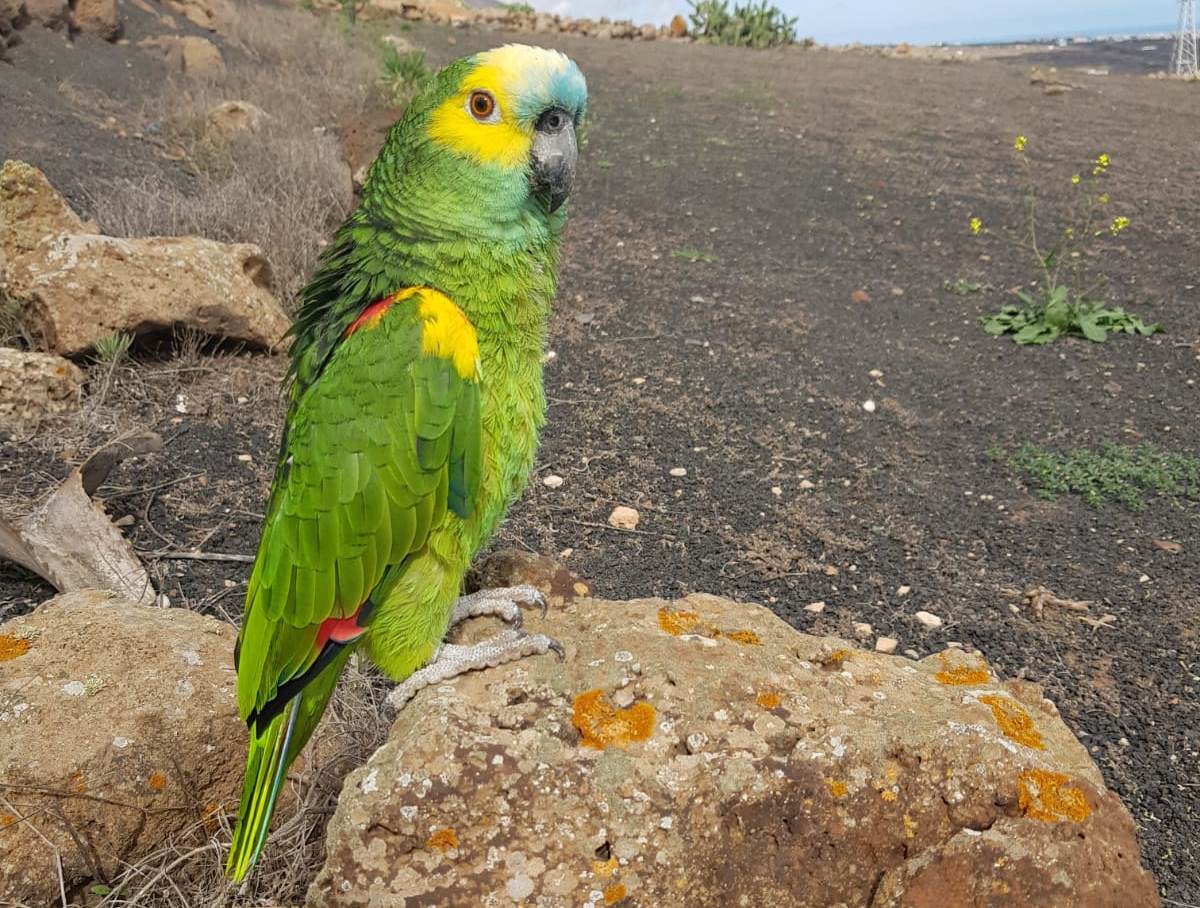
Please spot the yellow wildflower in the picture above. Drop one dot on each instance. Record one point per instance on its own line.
(1102, 162)
(1019, 144)
(976, 226)
(1075, 179)
(1118, 224)
(1070, 233)
(1103, 198)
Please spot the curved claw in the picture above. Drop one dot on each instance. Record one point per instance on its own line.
(557, 648)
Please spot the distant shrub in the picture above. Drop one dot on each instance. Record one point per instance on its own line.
(752, 25)
(517, 8)
(404, 74)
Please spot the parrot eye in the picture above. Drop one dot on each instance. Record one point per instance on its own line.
(481, 104)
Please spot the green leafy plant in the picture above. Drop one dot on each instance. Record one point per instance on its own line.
(351, 8)
(1114, 472)
(1043, 321)
(113, 349)
(404, 74)
(520, 9)
(1064, 300)
(693, 255)
(755, 24)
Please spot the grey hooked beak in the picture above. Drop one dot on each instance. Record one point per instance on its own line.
(553, 156)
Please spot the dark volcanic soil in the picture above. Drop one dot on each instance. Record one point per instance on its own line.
(807, 177)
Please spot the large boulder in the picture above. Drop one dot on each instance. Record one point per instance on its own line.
(118, 731)
(54, 14)
(75, 286)
(704, 753)
(34, 385)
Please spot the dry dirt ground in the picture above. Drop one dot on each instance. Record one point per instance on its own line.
(807, 177)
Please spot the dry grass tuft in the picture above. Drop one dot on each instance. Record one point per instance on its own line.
(189, 872)
(284, 187)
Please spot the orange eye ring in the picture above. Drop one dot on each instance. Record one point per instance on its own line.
(481, 105)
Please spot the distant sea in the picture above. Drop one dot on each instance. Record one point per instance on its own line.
(1097, 34)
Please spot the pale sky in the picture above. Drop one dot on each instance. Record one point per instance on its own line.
(924, 21)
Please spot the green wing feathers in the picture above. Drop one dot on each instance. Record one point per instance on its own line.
(378, 448)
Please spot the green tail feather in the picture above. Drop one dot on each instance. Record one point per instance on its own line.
(272, 751)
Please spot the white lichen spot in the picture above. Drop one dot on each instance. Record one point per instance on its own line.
(839, 749)
(20, 708)
(120, 742)
(623, 656)
(666, 823)
(404, 780)
(497, 759)
(190, 656)
(74, 689)
(371, 782)
(409, 812)
(183, 687)
(519, 888)
(721, 715)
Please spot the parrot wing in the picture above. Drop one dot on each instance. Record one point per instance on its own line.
(376, 450)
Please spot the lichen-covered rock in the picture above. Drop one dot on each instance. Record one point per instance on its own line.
(33, 385)
(704, 753)
(118, 729)
(54, 14)
(77, 288)
(231, 118)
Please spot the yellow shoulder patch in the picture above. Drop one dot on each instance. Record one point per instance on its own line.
(446, 330)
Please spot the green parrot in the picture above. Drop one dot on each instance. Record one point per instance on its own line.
(415, 405)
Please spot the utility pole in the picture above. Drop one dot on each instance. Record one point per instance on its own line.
(1185, 61)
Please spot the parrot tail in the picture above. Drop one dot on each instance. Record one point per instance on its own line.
(277, 735)
(266, 765)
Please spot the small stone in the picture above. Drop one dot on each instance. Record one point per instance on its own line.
(815, 607)
(875, 373)
(776, 491)
(897, 291)
(245, 458)
(807, 484)
(553, 481)
(869, 406)
(929, 620)
(831, 570)
(886, 645)
(863, 630)
(903, 590)
(679, 471)
(860, 296)
(624, 518)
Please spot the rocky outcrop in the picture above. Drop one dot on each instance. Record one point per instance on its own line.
(75, 286)
(54, 14)
(215, 15)
(188, 54)
(34, 385)
(118, 730)
(703, 753)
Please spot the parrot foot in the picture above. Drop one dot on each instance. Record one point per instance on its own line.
(502, 603)
(452, 660)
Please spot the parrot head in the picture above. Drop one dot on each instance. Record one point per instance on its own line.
(496, 129)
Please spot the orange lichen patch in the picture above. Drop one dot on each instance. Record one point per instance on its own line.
(745, 638)
(1046, 796)
(157, 781)
(443, 840)
(614, 893)
(677, 622)
(605, 869)
(963, 675)
(7, 819)
(603, 725)
(11, 647)
(768, 699)
(76, 782)
(888, 795)
(837, 788)
(1014, 721)
(836, 658)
